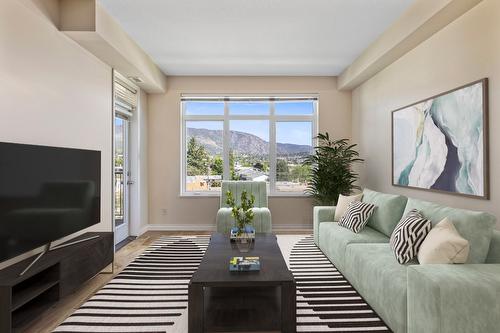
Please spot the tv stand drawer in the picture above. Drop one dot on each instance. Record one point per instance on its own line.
(85, 263)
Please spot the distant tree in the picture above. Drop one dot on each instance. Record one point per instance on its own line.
(119, 160)
(266, 166)
(282, 171)
(300, 173)
(232, 172)
(217, 166)
(197, 158)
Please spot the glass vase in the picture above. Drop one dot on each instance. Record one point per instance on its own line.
(244, 242)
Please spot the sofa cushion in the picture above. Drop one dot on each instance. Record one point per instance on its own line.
(476, 227)
(381, 280)
(333, 240)
(494, 252)
(389, 210)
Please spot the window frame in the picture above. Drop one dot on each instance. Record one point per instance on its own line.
(225, 118)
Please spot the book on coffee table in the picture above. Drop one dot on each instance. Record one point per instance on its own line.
(246, 264)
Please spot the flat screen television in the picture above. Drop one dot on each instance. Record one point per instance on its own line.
(46, 193)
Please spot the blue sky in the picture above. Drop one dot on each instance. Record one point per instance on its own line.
(294, 132)
(204, 108)
(286, 132)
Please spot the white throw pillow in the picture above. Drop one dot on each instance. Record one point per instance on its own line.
(444, 245)
(343, 204)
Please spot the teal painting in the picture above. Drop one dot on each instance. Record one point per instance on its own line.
(440, 143)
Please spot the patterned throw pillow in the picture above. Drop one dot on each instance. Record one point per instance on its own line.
(356, 216)
(408, 235)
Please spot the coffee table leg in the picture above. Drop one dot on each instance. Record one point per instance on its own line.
(288, 307)
(195, 308)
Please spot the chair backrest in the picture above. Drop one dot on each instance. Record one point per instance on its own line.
(258, 189)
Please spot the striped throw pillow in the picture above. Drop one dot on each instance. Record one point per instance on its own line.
(408, 235)
(356, 216)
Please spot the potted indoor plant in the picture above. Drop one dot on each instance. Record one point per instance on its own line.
(243, 218)
(331, 170)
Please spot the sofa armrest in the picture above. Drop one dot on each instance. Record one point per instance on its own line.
(453, 298)
(321, 214)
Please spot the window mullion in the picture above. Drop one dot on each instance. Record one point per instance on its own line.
(272, 150)
(203, 118)
(226, 142)
(295, 118)
(183, 150)
(315, 124)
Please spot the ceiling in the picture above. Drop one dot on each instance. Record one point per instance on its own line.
(254, 37)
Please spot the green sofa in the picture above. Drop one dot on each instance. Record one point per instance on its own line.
(262, 215)
(418, 298)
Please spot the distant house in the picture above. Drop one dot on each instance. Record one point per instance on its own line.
(249, 173)
(203, 182)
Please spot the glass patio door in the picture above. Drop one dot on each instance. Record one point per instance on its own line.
(121, 179)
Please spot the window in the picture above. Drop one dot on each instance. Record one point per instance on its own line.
(247, 138)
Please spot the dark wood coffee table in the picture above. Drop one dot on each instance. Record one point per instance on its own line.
(224, 301)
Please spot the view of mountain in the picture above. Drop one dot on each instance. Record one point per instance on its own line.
(242, 143)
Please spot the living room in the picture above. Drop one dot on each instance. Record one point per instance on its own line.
(168, 105)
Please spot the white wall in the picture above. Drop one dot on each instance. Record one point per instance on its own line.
(466, 50)
(164, 146)
(53, 92)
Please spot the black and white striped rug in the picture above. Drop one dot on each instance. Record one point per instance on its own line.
(150, 294)
(326, 301)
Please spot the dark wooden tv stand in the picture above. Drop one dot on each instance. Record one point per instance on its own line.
(57, 274)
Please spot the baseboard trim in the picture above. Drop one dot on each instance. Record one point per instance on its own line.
(208, 227)
(290, 227)
(143, 230)
(180, 227)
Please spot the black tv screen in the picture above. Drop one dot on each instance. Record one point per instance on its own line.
(46, 193)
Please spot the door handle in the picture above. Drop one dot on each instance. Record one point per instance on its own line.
(130, 182)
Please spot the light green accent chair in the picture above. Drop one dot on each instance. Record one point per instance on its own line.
(262, 215)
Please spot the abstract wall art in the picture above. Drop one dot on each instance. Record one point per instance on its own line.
(441, 143)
